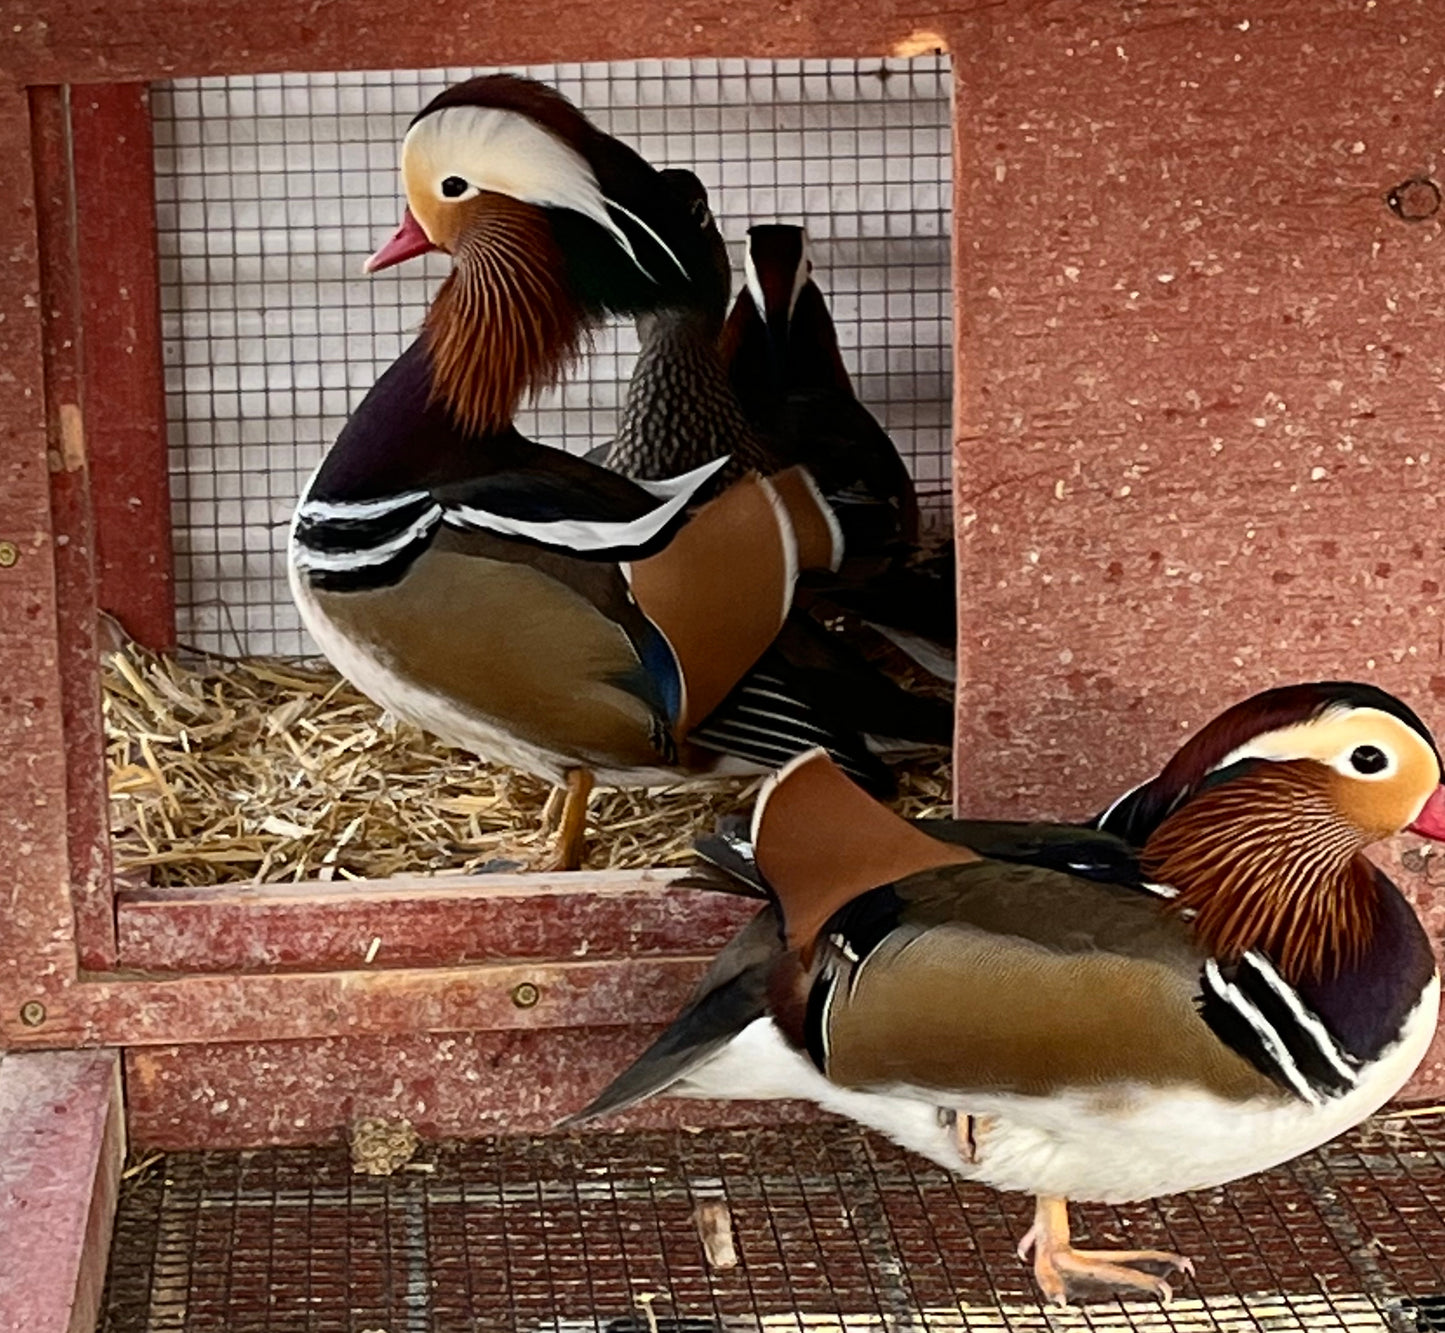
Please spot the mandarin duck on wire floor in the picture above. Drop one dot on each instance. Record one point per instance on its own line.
(1211, 981)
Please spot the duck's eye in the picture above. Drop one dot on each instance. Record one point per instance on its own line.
(1368, 759)
(454, 187)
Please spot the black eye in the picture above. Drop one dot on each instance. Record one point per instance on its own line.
(1367, 759)
(453, 187)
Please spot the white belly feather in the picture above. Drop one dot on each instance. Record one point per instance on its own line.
(1113, 1145)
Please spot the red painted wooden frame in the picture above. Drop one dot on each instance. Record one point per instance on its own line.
(1198, 370)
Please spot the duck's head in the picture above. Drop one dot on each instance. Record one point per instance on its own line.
(1259, 819)
(551, 225)
(778, 268)
(709, 266)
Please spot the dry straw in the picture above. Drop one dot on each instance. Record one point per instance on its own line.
(265, 769)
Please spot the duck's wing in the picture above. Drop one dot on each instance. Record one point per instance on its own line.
(959, 976)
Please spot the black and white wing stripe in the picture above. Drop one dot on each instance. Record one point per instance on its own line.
(348, 544)
(768, 720)
(343, 543)
(1258, 1014)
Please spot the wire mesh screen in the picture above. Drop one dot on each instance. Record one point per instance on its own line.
(833, 1232)
(272, 189)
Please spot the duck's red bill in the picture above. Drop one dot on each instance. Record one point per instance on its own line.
(1430, 822)
(408, 241)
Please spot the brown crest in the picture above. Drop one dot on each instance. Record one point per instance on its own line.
(504, 324)
(1266, 861)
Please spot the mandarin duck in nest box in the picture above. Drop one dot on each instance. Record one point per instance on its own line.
(680, 412)
(780, 348)
(1207, 982)
(516, 601)
(685, 406)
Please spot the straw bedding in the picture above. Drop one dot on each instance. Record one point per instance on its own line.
(228, 770)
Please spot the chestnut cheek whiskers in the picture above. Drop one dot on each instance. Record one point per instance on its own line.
(1267, 862)
(504, 325)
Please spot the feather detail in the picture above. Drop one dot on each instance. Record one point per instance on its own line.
(503, 326)
(1265, 861)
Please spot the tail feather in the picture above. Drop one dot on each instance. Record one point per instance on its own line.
(730, 996)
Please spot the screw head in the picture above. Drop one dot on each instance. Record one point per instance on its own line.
(1414, 200)
(32, 1013)
(9, 554)
(525, 994)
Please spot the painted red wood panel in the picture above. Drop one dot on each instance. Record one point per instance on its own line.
(62, 321)
(422, 922)
(55, 41)
(122, 373)
(460, 1085)
(1201, 379)
(37, 950)
(62, 1145)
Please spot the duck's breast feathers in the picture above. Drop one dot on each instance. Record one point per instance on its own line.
(401, 472)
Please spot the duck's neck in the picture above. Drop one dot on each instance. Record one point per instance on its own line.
(504, 324)
(400, 438)
(1366, 1003)
(1265, 862)
(680, 411)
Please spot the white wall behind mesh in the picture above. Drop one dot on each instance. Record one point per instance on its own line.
(272, 189)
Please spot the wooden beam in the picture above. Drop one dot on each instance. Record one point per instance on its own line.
(422, 922)
(86, 799)
(37, 932)
(122, 370)
(116, 1011)
(62, 1146)
(56, 41)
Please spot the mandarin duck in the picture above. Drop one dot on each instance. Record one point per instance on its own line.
(680, 413)
(681, 410)
(1209, 981)
(785, 366)
(786, 369)
(516, 601)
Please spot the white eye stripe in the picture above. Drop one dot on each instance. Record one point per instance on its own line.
(1331, 739)
(493, 148)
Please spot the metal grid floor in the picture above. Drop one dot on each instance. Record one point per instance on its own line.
(836, 1230)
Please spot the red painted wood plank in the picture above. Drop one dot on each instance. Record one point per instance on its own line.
(291, 1005)
(459, 1085)
(37, 952)
(62, 1145)
(56, 41)
(124, 384)
(1200, 378)
(70, 485)
(422, 922)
